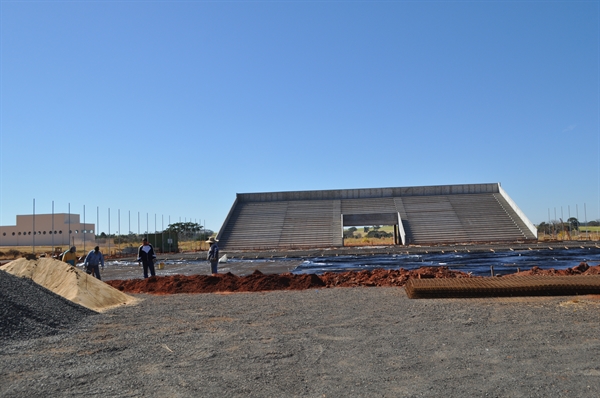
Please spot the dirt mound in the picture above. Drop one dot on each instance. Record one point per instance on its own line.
(69, 282)
(582, 269)
(29, 310)
(257, 281)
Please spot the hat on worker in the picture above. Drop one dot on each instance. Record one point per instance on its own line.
(211, 240)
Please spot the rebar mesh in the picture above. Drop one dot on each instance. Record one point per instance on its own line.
(504, 287)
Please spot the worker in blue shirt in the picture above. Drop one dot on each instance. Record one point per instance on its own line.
(93, 259)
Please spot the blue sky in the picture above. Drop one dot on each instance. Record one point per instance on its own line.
(168, 109)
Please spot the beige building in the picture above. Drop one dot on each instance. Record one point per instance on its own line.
(60, 229)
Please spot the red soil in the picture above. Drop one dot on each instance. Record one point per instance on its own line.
(258, 282)
(582, 269)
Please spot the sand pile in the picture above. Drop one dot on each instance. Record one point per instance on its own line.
(69, 282)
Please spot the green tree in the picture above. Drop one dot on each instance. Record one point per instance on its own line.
(184, 229)
(573, 224)
(349, 233)
(544, 228)
(379, 234)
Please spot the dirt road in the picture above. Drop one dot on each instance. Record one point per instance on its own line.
(371, 342)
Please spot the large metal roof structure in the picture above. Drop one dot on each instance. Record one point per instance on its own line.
(426, 215)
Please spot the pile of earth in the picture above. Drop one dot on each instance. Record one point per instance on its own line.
(42, 297)
(257, 281)
(29, 310)
(69, 282)
(582, 269)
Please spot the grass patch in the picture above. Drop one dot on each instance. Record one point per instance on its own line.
(589, 229)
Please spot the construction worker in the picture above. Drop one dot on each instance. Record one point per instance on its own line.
(92, 262)
(70, 256)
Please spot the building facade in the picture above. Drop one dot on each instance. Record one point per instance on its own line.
(426, 215)
(61, 229)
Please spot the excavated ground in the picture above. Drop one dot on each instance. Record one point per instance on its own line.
(257, 281)
(303, 338)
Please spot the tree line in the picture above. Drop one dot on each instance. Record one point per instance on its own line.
(185, 231)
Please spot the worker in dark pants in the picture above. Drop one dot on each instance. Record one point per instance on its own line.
(92, 261)
(213, 255)
(146, 256)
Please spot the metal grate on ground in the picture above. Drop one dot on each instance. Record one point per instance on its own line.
(513, 286)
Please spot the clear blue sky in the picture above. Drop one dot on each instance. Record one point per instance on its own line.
(168, 109)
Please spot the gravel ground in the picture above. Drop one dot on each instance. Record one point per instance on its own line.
(371, 342)
(29, 310)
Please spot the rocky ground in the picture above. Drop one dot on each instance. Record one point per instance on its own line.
(368, 340)
(371, 342)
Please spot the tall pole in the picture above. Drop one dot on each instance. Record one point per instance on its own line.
(554, 229)
(84, 228)
(33, 237)
(52, 226)
(119, 230)
(97, 220)
(585, 218)
(69, 221)
(577, 216)
(109, 231)
(550, 227)
(562, 223)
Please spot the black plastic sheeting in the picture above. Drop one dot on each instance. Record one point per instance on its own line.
(478, 263)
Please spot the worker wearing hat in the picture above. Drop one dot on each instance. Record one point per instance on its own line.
(70, 256)
(213, 255)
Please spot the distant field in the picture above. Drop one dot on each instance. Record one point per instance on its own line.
(589, 229)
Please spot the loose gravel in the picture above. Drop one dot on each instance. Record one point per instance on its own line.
(364, 342)
(29, 310)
